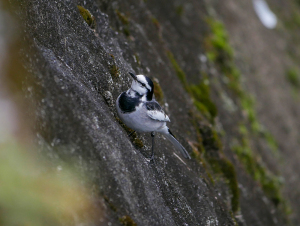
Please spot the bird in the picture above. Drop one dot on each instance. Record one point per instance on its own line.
(138, 109)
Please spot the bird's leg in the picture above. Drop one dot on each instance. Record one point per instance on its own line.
(152, 154)
(131, 133)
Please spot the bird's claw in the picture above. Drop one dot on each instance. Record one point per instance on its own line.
(151, 158)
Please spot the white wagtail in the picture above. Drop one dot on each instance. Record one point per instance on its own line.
(139, 110)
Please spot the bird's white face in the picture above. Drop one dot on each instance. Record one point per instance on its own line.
(141, 85)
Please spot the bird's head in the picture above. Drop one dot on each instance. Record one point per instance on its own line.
(143, 85)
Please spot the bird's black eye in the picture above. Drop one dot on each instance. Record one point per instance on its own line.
(143, 84)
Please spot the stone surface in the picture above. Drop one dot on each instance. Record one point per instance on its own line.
(79, 72)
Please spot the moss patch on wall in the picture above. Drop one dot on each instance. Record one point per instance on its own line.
(208, 152)
(136, 141)
(125, 21)
(127, 221)
(114, 71)
(200, 93)
(87, 16)
(208, 140)
(155, 22)
(269, 183)
(220, 53)
(179, 72)
(219, 163)
(179, 10)
(202, 100)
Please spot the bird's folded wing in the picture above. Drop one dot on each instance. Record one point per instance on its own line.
(158, 115)
(155, 112)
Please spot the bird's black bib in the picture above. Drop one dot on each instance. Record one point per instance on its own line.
(127, 103)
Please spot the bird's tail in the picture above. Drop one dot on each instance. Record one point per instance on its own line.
(168, 134)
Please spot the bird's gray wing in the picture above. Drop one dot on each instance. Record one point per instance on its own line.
(155, 111)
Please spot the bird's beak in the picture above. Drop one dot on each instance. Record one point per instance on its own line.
(133, 76)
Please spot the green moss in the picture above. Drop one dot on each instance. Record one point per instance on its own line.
(229, 173)
(200, 93)
(293, 20)
(271, 141)
(202, 100)
(110, 204)
(220, 165)
(127, 221)
(269, 183)
(221, 54)
(126, 128)
(179, 72)
(210, 139)
(219, 51)
(155, 22)
(243, 130)
(244, 154)
(122, 17)
(114, 71)
(225, 167)
(198, 155)
(293, 77)
(247, 104)
(125, 21)
(217, 45)
(158, 93)
(138, 143)
(87, 16)
(112, 56)
(179, 10)
(126, 31)
(208, 150)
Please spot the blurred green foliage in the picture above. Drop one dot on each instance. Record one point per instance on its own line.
(33, 194)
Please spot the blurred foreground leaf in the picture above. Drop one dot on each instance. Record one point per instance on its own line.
(33, 194)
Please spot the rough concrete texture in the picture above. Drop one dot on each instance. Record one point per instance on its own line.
(80, 70)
